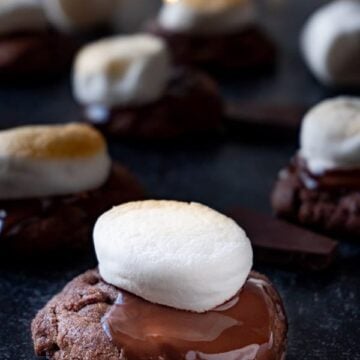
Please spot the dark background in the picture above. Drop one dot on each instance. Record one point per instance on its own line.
(323, 309)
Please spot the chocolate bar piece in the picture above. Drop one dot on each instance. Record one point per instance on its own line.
(286, 118)
(278, 242)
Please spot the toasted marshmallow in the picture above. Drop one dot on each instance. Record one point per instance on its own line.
(122, 70)
(183, 255)
(331, 43)
(68, 15)
(206, 16)
(37, 161)
(21, 15)
(330, 135)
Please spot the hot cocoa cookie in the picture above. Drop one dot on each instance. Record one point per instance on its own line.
(219, 36)
(40, 226)
(320, 188)
(191, 104)
(332, 210)
(128, 89)
(249, 51)
(174, 282)
(29, 47)
(56, 181)
(72, 324)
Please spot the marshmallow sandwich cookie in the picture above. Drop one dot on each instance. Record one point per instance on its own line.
(321, 188)
(54, 182)
(174, 282)
(29, 46)
(128, 88)
(215, 34)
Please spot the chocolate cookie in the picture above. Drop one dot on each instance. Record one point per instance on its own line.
(191, 104)
(71, 324)
(37, 227)
(38, 55)
(334, 210)
(248, 50)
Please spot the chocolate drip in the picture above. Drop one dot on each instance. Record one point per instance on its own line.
(330, 179)
(243, 328)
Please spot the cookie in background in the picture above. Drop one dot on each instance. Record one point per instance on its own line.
(29, 47)
(320, 188)
(55, 181)
(217, 35)
(128, 87)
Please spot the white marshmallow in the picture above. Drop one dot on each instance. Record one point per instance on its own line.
(183, 255)
(330, 135)
(39, 161)
(181, 16)
(68, 15)
(122, 70)
(331, 43)
(21, 15)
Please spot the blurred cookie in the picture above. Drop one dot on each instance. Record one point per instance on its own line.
(29, 48)
(216, 35)
(55, 182)
(320, 188)
(129, 89)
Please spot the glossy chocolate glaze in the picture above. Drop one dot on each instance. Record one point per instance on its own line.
(242, 329)
(329, 180)
(35, 226)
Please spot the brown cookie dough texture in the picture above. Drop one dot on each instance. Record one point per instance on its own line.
(247, 50)
(335, 212)
(62, 224)
(191, 104)
(69, 327)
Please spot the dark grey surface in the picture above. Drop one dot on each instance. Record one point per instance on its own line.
(323, 309)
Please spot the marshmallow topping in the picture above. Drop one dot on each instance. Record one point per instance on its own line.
(38, 161)
(122, 70)
(183, 255)
(206, 16)
(331, 43)
(330, 135)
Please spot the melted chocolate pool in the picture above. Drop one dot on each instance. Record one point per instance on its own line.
(241, 329)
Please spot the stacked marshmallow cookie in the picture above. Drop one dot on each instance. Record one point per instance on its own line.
(330, 43)
(321, 187)
(215, 34)
(36, 36)
(54, 182)
(128, 88)
(174, 282)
